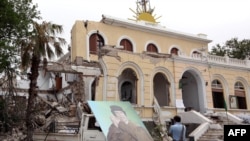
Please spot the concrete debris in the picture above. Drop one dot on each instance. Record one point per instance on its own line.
(53, 104)
(48, 121)
(15, 135)
(40, 119)
(72, 110)
(55, 117)
(61, 109)
(59, 118)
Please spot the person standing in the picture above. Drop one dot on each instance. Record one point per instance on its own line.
(177, 131)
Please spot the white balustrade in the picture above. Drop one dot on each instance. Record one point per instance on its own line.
(217, 59)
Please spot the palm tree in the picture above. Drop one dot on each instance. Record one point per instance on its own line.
(40, 43)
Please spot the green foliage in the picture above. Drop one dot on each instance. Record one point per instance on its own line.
(11, 115)
(233, 48)
(23, 41)
(16, 19)
(8, 58)
(156, 133)
(44, 42)
(219, 50)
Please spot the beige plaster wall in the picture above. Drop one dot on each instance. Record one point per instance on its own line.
(139, 39)
(78, 40)
(112, 34)
(228, 78)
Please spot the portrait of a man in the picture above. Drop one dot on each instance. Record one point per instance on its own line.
(119, 121)
(122, 129)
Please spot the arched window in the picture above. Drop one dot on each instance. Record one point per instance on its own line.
(127, 45)
(216, 84)
(95, 42)
(196, 53)
(217, 94)
(238, 86)
(152, 48)
(174, 51)
(238, 100)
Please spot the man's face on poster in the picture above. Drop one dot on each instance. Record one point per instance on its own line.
(121, 115)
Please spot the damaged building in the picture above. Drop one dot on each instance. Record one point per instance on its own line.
(161, 72)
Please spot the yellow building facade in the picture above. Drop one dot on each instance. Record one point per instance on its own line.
(146, 63)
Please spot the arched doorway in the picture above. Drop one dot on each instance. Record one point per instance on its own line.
(161, 89)
(193, 91)
(127, 86)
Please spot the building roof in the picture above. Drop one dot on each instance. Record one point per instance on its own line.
(153, 28)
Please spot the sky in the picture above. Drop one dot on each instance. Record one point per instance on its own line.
(220, 20)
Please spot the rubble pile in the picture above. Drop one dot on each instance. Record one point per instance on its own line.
(56, 116)
(53, 117)
(15, 135)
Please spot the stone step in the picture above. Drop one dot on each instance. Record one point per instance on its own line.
(213, 133)
(209, 140)
(215, 130)
(211, 137)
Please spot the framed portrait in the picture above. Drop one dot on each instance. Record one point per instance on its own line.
(233, 102)
(110, 115)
